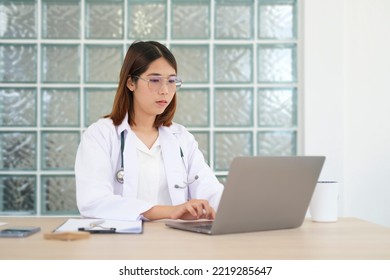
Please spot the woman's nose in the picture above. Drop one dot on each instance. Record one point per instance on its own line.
(164, 89)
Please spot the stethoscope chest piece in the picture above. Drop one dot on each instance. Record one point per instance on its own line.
(119, 175)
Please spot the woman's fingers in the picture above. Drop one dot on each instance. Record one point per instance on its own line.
(191, 209)
(200, 209)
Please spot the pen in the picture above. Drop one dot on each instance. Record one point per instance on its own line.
(97, 224)
(108, 230)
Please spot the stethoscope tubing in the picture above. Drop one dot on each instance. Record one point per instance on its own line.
(121, 172)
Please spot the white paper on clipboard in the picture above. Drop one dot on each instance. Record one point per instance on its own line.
(120, 226)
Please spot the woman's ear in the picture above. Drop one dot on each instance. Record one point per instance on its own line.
(130, 84)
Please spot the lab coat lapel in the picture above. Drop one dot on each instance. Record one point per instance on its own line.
(130, 160)
(170, 148)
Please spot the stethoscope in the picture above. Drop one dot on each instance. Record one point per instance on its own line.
(185, 168)
(120, 173)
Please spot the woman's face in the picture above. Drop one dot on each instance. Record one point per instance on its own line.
(153, 90)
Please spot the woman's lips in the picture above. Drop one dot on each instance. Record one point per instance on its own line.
(162, 102)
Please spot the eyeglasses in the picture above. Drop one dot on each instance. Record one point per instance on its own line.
(155, 83)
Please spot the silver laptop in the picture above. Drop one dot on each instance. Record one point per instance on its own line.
(262, 193)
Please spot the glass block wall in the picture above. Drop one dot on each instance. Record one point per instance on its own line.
(60, 62)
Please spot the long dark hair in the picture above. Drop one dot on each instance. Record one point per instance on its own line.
(138, 58)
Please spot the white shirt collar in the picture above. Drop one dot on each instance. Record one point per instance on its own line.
(124, 126)
(154, 150)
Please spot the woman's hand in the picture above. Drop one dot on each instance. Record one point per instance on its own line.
(192, 210)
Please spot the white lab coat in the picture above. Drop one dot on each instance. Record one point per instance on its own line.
(98, 159)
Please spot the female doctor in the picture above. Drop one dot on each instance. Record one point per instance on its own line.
(135, 163)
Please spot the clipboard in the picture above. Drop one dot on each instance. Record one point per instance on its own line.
(101, 226)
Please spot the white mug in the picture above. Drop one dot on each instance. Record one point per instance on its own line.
(324, 203)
